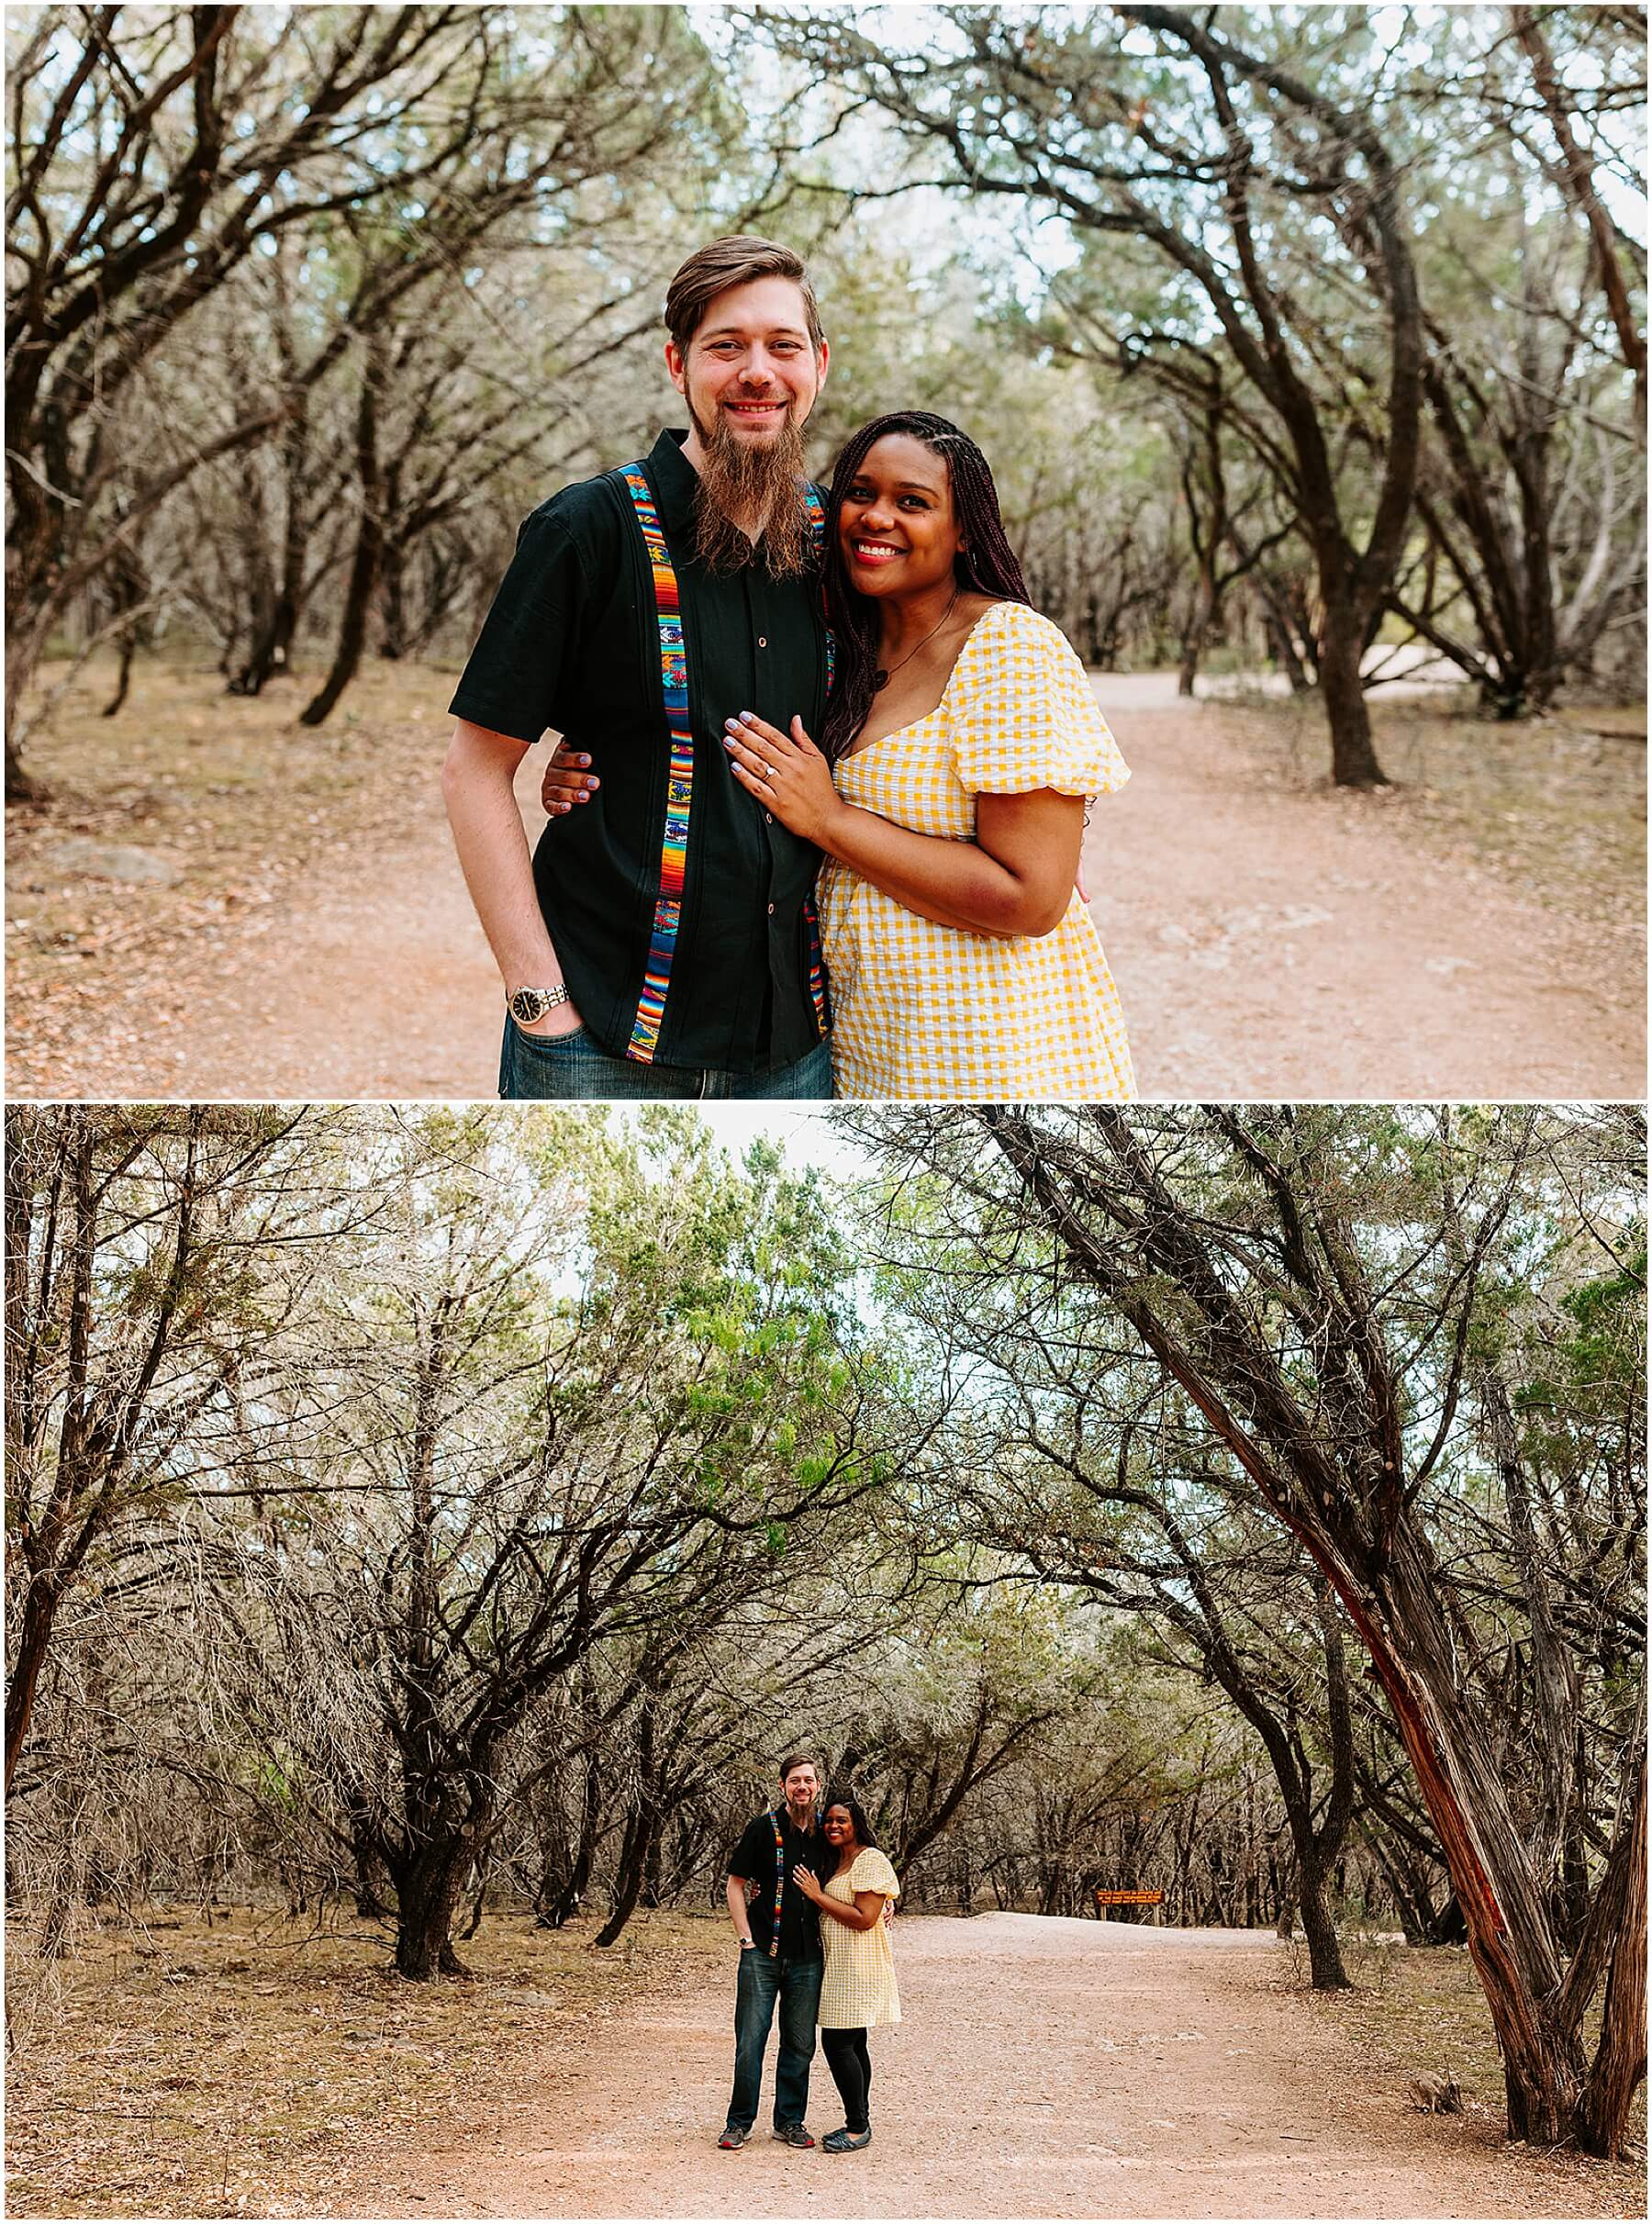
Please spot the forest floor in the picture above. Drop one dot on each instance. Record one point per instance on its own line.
(1048, 2068)
(219, 902)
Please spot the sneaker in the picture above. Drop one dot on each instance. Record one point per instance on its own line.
(735, 2135)
(793, 2135)
(845, 2141)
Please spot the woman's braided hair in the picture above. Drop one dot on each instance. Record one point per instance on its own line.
(986, 564)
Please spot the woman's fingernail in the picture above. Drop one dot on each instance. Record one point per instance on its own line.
(592, 783)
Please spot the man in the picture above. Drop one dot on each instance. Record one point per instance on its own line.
(780, 1956)
(665, 944)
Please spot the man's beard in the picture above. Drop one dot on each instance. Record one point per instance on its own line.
(760, 481)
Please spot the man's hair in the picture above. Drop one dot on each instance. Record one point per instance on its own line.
(798, 1760)
(733, 261)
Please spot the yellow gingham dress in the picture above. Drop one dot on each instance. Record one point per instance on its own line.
(859, 1987)
(923, 1011)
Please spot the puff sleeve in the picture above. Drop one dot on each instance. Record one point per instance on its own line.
(1023, 714)
(873, 1871)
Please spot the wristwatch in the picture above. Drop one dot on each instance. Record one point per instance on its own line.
(530, 1004)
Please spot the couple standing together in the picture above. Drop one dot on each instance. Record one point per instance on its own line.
(817, 808)
(810, 1906)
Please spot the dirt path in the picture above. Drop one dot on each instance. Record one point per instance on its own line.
(1270, 936)
(1045, 2067)
(1307, 944)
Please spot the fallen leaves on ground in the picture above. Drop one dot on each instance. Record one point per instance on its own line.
(249, 806)
(1421, 2012)
(238, 2067)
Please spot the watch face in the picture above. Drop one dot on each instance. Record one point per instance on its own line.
(530, 1004)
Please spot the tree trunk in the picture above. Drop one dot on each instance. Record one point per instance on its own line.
(364, 1853)
(628, 1879)
(1353, 755)
(393, 646)
(1620, 2061)
(271, 647)
(560, 1898)
(40, 1610)
(123, 680)
(1206, 540)
(369, 548)
(1199, 626)
(25, 646)
(429, 1890)
(1324, 1950)
(1510, 1938)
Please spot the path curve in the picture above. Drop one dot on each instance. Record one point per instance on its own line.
(1046, 2067)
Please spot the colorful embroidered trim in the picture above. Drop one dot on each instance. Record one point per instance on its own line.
(779, 1875)
(679, 788)
(817, 526)
(816, 967)
(679, 777)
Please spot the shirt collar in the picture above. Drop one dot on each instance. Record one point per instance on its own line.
(675, 479)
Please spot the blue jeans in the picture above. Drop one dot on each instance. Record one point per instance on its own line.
(764, 1979)
(573, 1065)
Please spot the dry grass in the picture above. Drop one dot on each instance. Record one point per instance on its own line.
(239, 2069)
(1556, 805)
(1419, 2011)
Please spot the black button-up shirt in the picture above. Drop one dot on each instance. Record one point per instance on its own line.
(752, 1859)
(573, 644)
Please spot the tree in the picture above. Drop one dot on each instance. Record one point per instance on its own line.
(1314, 1280)
(1073, 1460)
(143, 1247)
(1283, 159)
(1532, 500)
(520, 1484)
(1573, 167)
(950, 1708)
(140, 194)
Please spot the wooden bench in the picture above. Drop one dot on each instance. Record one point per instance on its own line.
(1106, 1900)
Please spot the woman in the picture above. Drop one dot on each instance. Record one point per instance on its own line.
(859, 1987)
(948, 793)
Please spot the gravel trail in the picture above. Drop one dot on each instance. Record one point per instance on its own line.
(1046, 2068)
